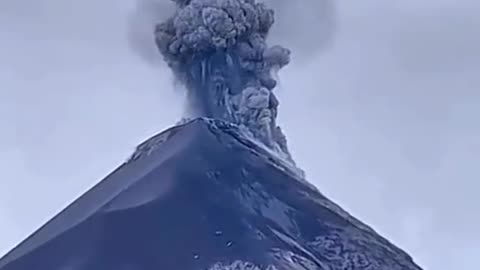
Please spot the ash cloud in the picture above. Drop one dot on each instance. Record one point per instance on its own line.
(218, 50)
(311, 33)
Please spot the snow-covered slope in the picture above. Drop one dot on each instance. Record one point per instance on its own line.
(203, 196)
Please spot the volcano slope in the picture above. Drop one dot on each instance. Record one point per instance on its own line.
(201, 195)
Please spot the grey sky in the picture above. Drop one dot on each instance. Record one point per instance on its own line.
(385, 120)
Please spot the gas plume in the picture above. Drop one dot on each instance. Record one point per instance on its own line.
(307, 27)
(218, 50)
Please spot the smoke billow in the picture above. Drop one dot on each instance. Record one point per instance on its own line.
(218, 50)
(308, 34)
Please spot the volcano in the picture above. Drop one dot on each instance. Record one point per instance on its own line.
(219, 191)
(202, 195)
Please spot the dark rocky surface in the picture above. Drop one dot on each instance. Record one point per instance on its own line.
(203, 196)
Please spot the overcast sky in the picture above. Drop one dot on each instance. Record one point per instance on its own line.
(381, 108)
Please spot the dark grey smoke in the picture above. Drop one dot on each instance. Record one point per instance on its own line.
(308, 34)
(218, 50)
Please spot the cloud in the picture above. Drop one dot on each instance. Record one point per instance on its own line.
(311, 33)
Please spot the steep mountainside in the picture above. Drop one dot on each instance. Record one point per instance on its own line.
(203, 196)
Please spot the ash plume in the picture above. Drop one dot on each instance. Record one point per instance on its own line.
(218, 50)
(309, 34)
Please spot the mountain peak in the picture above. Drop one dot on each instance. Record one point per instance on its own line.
(202, 195)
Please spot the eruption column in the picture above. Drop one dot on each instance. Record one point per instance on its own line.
(218, 50)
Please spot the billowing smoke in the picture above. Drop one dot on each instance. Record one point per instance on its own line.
(308, 34)
(218, 50)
